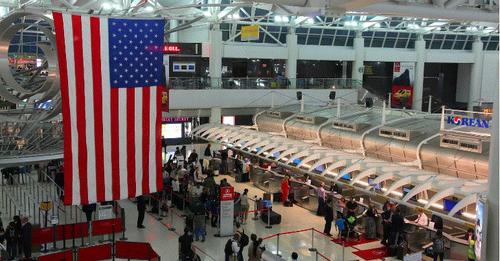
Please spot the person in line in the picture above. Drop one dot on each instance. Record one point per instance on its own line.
(141, 209)
(12, 238)
(26, 236)
(471, 253)
(232, 248)
(255, 251)
(185, 242)
(321, 199)
(295, 256)
(438, 246)
(307, 179)
(184, 152)
(422, 218)
(18, 225)
(243, 241)
(328, 210)
(340, 224)
(208, 151)
(223, 157)
(397, 223)
(370, 224)
(193, 157)
(386, 223)
(285, 188)
(352, 207)
(245, 206)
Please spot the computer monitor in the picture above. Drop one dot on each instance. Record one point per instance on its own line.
(376, 186)
(449, 204)
(320, 168)
(346, 177)
(406, 190)
(296, 161)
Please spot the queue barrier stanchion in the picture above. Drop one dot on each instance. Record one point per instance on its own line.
(122, 214)
(312, 248)
(113, 254)
(64, 236)
(256, 213)
(278, 246)
(268, 226)
(158, 199)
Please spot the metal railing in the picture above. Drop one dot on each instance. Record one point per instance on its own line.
(261, 83)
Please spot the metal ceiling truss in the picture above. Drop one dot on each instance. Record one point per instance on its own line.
(338, 164)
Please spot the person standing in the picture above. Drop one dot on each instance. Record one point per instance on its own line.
(12, 238)
(208, 152)
(244, 206)
(397, 223)
(232, 248)
(193, 157)
(26, 236)
(386, 223)
(185, 242)
(285, 188)
(321, 199)
(141, 209)
(370, 225)
(352, 207)
(422, 218)
(438, 246)
(255, 251)
(183, 152)
(328, 210)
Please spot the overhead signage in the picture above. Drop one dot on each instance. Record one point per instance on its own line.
(402, 85)
(458, 120)
(182, 49)
(165, 99)
(250, 32)
(175, 119)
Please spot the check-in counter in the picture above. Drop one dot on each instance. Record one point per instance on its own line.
(266, 180)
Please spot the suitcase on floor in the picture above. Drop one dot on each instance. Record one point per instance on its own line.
(276, 196)
(275, 217)
(288, 203)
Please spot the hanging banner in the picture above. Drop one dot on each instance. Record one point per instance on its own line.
(226, 211)
(478, 231)
(165, 99)
(402, 85)
(250, 32)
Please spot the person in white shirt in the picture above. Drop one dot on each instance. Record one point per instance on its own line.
(422, 218)
(175, 185)
(235, 247)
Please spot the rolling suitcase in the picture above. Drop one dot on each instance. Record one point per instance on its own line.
(276, 196)
(274, 220)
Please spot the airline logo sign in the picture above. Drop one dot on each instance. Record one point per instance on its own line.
(226, 194)
(458, 120)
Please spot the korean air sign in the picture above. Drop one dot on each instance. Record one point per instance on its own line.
(469, 122)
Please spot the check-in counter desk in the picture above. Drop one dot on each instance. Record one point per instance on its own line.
(266, 180)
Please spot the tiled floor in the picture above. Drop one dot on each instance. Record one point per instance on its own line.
(295, 218)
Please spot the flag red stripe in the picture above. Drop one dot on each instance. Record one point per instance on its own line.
(97, 85)
(115, 144)
(146, 103)
(63, 76)
(159, 180)
(80, 106)
(131, 142)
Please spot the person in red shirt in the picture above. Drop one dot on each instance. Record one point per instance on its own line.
(285, 187)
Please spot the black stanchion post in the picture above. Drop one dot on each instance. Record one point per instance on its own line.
(278, 245)
(64, 236)
(73, 234)
(269, 218)
(312, 249)
(256, 208)
(122, 213)
(82, 235)
(114, 243)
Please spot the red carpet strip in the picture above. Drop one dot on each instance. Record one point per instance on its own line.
(371, 254)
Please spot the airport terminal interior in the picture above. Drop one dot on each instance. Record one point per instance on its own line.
(224, 130)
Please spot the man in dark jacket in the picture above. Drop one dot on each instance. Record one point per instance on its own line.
(89, 210)
(328, 210)
(26, 237)
(397, 223)
(141, 209)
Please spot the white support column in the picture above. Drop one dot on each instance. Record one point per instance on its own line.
(291, 62)
(476, 73)
(215, 115)
(359, 58)
(418, 83)
(215, 59)
(174, 37)
(490, 240)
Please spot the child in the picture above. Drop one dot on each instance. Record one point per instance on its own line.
(340, 225)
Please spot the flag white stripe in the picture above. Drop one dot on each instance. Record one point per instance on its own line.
(70, 62)
(106, 109)
(122, 141)
(138, 140)
(152, 140)
(89, 109)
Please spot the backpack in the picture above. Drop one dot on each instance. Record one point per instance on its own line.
(228, 249)
(438, 245)
(244, 239)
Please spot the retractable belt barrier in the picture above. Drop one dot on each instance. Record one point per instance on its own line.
(318, 255)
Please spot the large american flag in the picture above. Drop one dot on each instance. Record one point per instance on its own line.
(111, 77)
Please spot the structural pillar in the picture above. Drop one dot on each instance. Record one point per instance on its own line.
(418, 83)
(476, 73)
(174, 37)
(215, 115)
(489, 250)
(293, 55)
(359, 59)
(215, 58)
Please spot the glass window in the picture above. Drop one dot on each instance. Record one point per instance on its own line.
(389, 43)
(447, 44)
(340, 41)
(326, 40)
(301, 39)
(313, 39)
(436, 44)
(401, 43)
(459, 45)
(377, 42)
